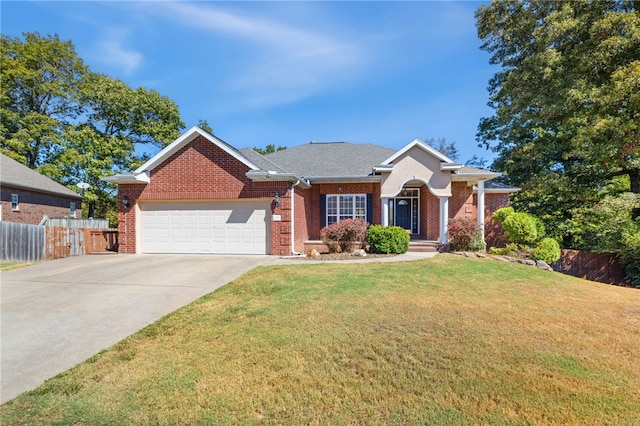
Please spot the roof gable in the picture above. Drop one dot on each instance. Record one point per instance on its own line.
(15, 174)
(422, 145)
(184, 140)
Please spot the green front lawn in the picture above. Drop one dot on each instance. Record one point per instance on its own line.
(449, 340)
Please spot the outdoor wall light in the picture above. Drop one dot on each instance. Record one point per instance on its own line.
(276, 200)
(125, 202)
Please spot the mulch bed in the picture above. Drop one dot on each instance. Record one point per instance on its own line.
(345, 256)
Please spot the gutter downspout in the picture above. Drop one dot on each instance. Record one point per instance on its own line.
(292, 190)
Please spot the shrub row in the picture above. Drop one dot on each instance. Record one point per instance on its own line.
(350, 234)
(526, 232)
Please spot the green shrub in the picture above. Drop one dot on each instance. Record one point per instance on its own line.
(344, 235)
(522, 228)
(501, 214)
(510, 250)
(540, 229)
(389, 240)
(464, 234)
(547, 250)
(630, 253)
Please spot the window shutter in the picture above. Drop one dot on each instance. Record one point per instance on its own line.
(369, 208)
(323, 210)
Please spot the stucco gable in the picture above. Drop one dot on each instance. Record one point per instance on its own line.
(417, 143)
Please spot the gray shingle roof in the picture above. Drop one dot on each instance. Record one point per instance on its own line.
(17, 175)
(466, 170)
(260, 160)
(330, 159)
(492, 184)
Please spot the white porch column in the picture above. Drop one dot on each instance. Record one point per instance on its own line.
(385, 212)
(444, 219)
(481, 206)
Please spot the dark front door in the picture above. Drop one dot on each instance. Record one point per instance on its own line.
(403, 213)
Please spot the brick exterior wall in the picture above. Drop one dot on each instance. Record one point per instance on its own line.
(429, 214)
(494, 235)
(313, 218)
(464, 203)
(33, 206)
(202, 171)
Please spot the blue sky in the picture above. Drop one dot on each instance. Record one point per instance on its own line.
(288, 72)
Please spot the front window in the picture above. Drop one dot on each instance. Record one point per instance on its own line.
(351, 206)
(72, 209)
(14, 202)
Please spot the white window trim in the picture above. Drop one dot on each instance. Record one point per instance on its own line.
(72, 209)
(17, 203)
(337, 215)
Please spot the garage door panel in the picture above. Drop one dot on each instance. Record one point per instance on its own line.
(208, 227)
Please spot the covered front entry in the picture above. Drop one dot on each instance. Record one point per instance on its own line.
(405, 210)
(207, 227)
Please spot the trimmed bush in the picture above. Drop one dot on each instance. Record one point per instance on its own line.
(630, 254)
(501, 214)
(547, 250)
(344, 235)
(522, 228)
(389, 240)
(465, 235)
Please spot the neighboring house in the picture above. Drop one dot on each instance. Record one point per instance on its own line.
(201, 195)
(27, 196)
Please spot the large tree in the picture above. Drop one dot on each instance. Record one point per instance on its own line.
(39, 95)
(75, 125)
(566, 101)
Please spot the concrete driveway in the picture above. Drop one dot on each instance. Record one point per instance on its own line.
(56, 314)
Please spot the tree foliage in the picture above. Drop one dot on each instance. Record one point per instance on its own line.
(269, 149)
(566, 101)
(75, 125)
(445, 147)
(39, 94)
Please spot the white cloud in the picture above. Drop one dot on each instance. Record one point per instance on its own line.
(287, 61)
(111, 51)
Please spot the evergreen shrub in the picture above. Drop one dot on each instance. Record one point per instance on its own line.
(523, 228)
(389, 240)
(547, 250)
(501, 214)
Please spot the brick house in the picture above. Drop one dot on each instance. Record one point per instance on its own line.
(27, 196)
(201, 195)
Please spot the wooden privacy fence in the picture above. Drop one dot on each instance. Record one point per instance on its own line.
(600, 267)
(30, 243)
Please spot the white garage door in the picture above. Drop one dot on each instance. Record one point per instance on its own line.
(205, 227)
